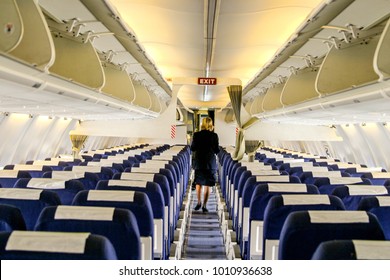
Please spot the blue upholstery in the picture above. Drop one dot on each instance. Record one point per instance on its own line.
(96, 247)
(11, 218)
(280, 206)
(352, 195)
(353, 250)
(138, 203)
(303, 231)
(118, 225)
(88, 179)
(261, 194)
(326, 186)
(8, 180)
(380, 207)
(155, 195)
(66, 193)
(29, 201)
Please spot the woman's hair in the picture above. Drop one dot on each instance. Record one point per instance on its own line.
(207, 124)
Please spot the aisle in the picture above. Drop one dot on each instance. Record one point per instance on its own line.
(203, 239)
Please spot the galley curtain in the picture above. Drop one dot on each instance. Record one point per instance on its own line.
(77, 143)
(243, 121)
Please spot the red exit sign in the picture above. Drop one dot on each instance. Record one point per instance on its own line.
(207, 81)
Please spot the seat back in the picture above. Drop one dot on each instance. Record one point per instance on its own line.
(276, 212)
(8, 178)
(117, 224)
(351, 195)
(303, 231)
(137, 202)
(380, 207)
(34, 245)
(66, 190)
(29, 201)
(11, 218)
(353, 250)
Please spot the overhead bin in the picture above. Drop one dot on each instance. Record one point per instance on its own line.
(11, 21)
(382, 57)
(77, 60)
(142, 97)
(300, 87)
(35, 45)
(156, 107)
(349, 63)
(257, 105)
(118, 83)
(272, 98)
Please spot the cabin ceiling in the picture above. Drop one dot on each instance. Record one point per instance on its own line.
(256, 41)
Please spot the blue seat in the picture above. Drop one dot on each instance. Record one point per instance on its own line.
(351, 195)
(276, 212)
(66, 190)
(104, 173)
(303, 231)
(378, 178)
(261, 194)
(353, 250)
(35, 171)
(33, 245)
(11, 218)
(137, 202)
(29, 201)
(246, 192)
(168, 191)
(8, 178)
(380, 207)
(155, 195)
(88, 179)
(326, 185)
(117, 224)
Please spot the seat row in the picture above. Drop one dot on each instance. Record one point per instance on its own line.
(153, 198)
(248, 198)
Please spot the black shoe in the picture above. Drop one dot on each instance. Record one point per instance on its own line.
(197, 207)
(204, 209)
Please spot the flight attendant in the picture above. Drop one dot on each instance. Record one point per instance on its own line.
(205, 145)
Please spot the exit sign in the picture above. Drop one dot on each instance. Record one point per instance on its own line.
(207, 81)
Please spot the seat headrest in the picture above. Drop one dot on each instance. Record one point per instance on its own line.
(344, 180)
(16, 193)
(127, 183)
(67, 175)
(59, 242)
(372, 249)
(137, 176)
(7, 173)
(46, 183)
(65, 212)
(287, 187)
(305, 199)
(335, 217)
(366, 190)
(278, 178)
(107, 195)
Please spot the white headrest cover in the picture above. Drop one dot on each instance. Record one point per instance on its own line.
(106, 195)
(372, 249)
(344, 180)
(67, 175)
(383, 200)
(5, 173)
(329, 216)
(137, 176)
(84, 213)
(145, 170)
(278, 178)
(366, 190)
(329, 174)
(17, 193)
(82, 168)
(157, 163)
(258, 172)
(127, 183)
(46, 183)
(38, 241)
(29, 167)
(380, 175)
(283, 187)
(305, 199)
